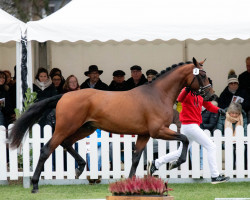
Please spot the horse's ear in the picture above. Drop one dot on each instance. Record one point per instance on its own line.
(202, 62)
(195, 62)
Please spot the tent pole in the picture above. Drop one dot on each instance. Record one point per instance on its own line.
(19, 97)
(29, 66)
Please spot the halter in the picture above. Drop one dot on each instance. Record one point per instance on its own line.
(201, 91)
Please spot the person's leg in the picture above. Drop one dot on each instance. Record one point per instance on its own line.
(198, 135)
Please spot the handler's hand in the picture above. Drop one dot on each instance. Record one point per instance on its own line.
(222, 112)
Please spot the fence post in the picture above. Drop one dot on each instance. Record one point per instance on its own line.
(228, 152)
(239, 152)
(3, 166)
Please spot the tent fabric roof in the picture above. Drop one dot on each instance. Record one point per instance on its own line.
(10, 28)
(119, 20)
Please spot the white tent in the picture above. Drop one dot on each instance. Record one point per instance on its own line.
(12, 29)
(119, 20)
(148, 20)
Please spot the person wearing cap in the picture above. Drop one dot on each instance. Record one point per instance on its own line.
(234, 93)
(94, 80)
(151, 73)
(118, 83)
(244, 82)
(137, 78)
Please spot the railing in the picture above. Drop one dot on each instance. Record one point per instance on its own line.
(31, 146)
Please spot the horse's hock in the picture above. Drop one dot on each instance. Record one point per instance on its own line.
(148, 197)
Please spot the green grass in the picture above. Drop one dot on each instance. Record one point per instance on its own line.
(195, 191)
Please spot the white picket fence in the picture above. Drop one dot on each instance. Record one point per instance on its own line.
(10, 171)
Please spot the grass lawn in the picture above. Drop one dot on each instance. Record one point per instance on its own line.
(189, 191)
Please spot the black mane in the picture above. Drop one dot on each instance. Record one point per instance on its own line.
(168, 70)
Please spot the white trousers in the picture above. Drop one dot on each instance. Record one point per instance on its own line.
(193, 133)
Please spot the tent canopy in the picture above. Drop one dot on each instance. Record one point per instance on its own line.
(10, 28)
(119, 20)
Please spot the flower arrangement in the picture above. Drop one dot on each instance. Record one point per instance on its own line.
(140, 186)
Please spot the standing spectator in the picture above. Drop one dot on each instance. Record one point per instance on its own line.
(137, 78)
(57, 82)
(118, 83)
(235, 116)
(71, 84)
(234, 93)
(244, 82)
(151, 73)
(44, 88)
(94, 80)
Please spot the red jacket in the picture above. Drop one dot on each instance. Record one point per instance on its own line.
(191, 107)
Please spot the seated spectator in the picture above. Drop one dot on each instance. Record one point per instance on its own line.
(3, 94)
(118, 83)
(57, 82)
(235, 116)
(244, 82)
(234, 93)
(94, 80)
(71, 84)
(92, 181)
(44, 88)
(10, 115)
(137, 78)
(151, 73)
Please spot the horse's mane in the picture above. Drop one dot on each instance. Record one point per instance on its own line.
(169, 70)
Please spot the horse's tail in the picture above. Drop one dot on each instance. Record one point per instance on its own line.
(30, 117)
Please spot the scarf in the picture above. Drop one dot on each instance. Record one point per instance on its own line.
(229, 121)
(43, 85)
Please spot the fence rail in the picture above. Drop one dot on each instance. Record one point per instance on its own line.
(29, 153)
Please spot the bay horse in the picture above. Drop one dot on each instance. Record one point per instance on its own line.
(146, 111)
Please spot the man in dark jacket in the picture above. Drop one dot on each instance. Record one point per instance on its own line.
(118, 83)
(137, 78)
(244, 82)
(94, 80)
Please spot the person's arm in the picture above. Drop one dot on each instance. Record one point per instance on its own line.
(210, 107)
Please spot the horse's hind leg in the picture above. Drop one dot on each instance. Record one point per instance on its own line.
(45, 153)
(139, 147)
(81, 133)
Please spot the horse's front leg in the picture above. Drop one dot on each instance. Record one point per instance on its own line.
(167, 134)
(139, 147)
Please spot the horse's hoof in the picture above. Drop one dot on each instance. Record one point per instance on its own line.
(78, 173)
(34, 191)
(173, 165)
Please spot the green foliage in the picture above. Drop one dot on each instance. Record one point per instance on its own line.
(30, 98)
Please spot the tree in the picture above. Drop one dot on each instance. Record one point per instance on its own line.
(28, 10)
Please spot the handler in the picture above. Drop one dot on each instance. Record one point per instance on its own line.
(191, 118)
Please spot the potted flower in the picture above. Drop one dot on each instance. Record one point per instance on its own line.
(147, 188)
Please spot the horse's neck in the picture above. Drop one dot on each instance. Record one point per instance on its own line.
(172, 83)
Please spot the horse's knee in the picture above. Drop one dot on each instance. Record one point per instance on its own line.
(44, 153)
(184, 139)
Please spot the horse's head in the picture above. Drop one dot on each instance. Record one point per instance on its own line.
(199, 82)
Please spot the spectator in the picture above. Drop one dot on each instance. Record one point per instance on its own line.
(234, 93)
(92, 181)
(151, 73)
(71, 84)
(56, 71)
(118, 83)
(43, 85)
(57, 82)
(137, 78)
(44, 88)
(3, 94)
(10, 115)
(244, 82)
(94, 80)
(235, 116)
